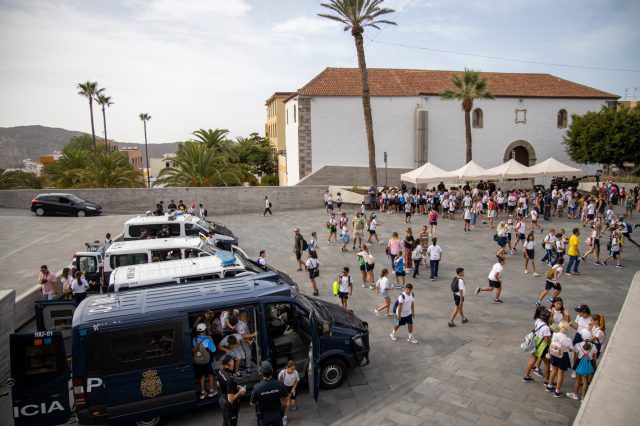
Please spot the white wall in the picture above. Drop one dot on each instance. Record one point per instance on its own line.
(291, 139)
(338, 135)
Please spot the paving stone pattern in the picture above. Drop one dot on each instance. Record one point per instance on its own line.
(469, 374)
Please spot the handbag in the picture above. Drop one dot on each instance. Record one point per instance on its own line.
(529, 344)
(315, 273)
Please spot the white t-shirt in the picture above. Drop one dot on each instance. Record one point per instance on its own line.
(591, 208)
(461, 288)
(344, 283)
(542, 329)
(511, 200)
(312, 263)
(549, 241)
(434, 252)
(558, 317)
(383, 283)
(534, 214)
(242, 327)
(288, 379)
(560, 269)
(373, 224)
(467, 213)
(529, 245)
(583, 323)
(467, 201)
(406, 303)
(565, 341)
(79, 286)
(497, 268)
(262, 261)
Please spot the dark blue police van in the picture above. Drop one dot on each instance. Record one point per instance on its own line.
(132, 352)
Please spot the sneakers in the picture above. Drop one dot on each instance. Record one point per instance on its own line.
(535, 274)
(375, 311)
(412, 340)
(477, 290)
(568, 273)
(212, 393)
(203, 395)
(237, 375)
(285, 421)
(393, 336)
(549, 388)
(528, 379)
(526, 271)
(293, 408)
(550, 300)
(557, 394)
(537, 372)
(451, 324)
(497, 301)
(619, 266)
(573, 374)
(537, 303)
(573, 396)
(465, 320)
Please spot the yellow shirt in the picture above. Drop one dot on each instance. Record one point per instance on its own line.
(573, 245)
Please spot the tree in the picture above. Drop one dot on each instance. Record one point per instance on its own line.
(19, 179)
(79, 143)
(89, 90)
(104, 101)
(258, 153)
(67, 171)
(198, 165)
(146, 117)
(110, 170)
(356, 15)
(468, 87)
(610, 136)
(217, 140)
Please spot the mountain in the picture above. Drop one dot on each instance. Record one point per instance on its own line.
(18, 143)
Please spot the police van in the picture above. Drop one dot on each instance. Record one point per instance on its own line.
(132, 351)
(180, 225)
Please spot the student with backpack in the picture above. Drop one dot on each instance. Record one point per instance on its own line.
(559, 350)
(313, 267)
(383, 285)
(541, 336)
(400, 272)
(345, 288)
(404, 308)
(332, 227)
(552, 281)
(267, 207)
(457, 287)
(203, 351)
(416, 255)
(584, 354)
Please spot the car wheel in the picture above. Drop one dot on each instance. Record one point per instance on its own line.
(39, 211)
(155, 421)
(332, 373)
(81, 213)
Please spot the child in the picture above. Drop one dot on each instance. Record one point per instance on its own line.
(585, 353)
(262, 259)
(559, 350)
(433, 221)
(407, 213)
(339, 202)
(313, 243)
(467, 219)
(383, 285)
(458, 297)
(452, 208)
(552, 281)
(290, 378)
(399, 269)
(405, 314)
(346, 287)
(542, 336)
(344, 236)
(529, 254)
(332, 226)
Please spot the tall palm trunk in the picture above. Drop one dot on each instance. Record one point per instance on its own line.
(146, 154)
(366, 106)
(467, 132)
(104, 121)
(93, 128)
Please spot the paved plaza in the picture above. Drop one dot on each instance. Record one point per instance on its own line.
(469, 374)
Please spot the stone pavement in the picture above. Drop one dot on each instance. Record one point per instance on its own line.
(469, 374)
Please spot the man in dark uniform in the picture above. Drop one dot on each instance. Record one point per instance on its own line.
(230, 391)
(266, 397)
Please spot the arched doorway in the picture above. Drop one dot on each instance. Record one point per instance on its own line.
(522, 152)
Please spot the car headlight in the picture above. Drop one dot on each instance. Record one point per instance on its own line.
(91, 208)
(358, 341)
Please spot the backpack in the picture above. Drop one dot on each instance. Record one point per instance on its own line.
(200, 354)
(455, 285)
(556, 349)
(270, 205)
(396, 304)
(205, 212)
(416, 255)
(549, 274)
(336, 288)
(495, 237)
(305, 245)
(529, 343)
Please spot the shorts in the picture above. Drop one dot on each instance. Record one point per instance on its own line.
(357, 234)
(363, 267)
(548, 285)
(432, 223)
(333, 229)
(590, 216)
(509, 236)
(495, 284)
(502, 241)
(203, 369)
(530, 254)
(368, 267)
(345, 238)
(457, 300)
(344, 295)
(521, 237)
(289, 389)
(562, 363)
(339, 205)
(372, 232)
(312, 271)
(405, 320)
(400, 274)
(467, 220)
(237, 353)
(298, 255)
(385, 293)
(596, 243)
(615, 254)
(330, 206)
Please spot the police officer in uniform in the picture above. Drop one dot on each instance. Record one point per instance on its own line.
(266, 397)
(230, 391)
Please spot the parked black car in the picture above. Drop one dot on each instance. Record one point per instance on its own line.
(63, 204)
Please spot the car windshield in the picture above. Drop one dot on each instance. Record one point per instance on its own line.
(313, 305)
(76, 199)
(206, 225)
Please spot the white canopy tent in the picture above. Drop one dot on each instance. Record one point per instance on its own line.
(510, 170)
(470, 171)
(425, 174)
(552, 167)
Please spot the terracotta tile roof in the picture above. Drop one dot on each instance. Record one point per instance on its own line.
(405, 82)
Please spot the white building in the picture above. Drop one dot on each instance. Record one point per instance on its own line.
(413, 125)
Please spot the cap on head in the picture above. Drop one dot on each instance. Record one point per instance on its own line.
(201, 327)
(266, 369)
(583, 308)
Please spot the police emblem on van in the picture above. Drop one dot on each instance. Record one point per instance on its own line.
(151, 385)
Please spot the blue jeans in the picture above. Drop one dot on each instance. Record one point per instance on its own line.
(573, 259)
(433, 264)
(548, 257)
(392, 258)
(474, 217)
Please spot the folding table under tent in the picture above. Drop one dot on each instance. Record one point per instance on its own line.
(425, 174)
(552, 167)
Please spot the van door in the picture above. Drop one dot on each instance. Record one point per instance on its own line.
(313, 371)
(39, 379)
(56, 315)
(92, 265)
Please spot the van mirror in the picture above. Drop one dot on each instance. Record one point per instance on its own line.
(326, 327)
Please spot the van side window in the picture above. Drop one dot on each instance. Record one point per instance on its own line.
(192, 230)
(120, 351)
(40, 359)
(88, 264)
(173, 254)
(128, 259)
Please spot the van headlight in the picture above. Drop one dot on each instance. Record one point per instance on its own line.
(358, 341)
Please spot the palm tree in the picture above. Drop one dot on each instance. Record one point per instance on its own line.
(89, 90)
(217, 140)
(19, 179)
(146, 117)
(109, 170)
(66, 172)
(197, 165)
(356, 15)
(104, 101)
(468, 86)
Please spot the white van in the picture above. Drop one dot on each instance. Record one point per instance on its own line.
(176, 271)
(180, 225)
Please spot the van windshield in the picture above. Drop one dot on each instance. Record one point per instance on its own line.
(208, 227)
(317, 308)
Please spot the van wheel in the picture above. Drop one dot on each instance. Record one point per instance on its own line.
(81, 213)
(39, 211)
(332, 373)
(155, 421)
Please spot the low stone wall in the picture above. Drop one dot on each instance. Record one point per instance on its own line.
(609, 400)
(7, 300)
(216, 200)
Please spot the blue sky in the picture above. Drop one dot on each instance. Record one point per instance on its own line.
(212, 63)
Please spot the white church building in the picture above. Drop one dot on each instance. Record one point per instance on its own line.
(325, 134)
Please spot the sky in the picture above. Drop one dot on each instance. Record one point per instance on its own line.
(194, 64)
